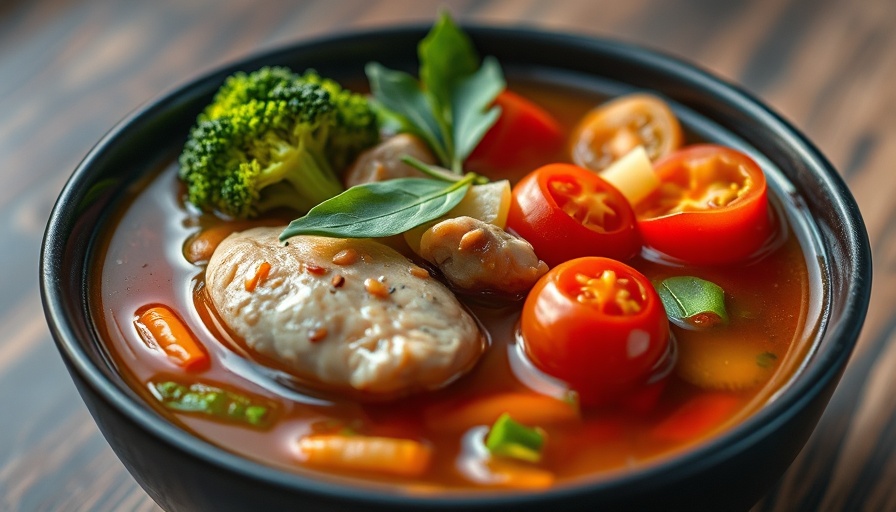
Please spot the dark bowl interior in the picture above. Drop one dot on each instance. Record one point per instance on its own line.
(731, 471)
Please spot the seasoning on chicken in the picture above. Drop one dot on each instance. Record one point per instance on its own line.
(478, 256)
(383, 161)
(348, 315)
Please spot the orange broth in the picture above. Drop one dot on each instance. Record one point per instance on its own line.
(773, 304)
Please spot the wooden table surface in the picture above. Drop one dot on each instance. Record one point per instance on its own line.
(70, 69)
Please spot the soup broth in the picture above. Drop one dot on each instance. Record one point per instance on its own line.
(772, 302)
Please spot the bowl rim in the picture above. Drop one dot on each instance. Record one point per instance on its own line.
(831, 360)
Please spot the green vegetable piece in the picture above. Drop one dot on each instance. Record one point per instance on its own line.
(766, 359)
(255, 414)
(211, 401)
(470, 103)
(507, 438)
(273, 138)
(450, 108)
(380, 209)
(693, 303)
(400, 93)
(446, 56)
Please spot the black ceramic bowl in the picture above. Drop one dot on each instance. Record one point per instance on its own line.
(732, 470)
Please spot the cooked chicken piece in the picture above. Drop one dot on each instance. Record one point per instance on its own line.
(352, 316)
(383, 161)
(478, 256)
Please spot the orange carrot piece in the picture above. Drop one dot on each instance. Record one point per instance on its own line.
(165, 330)
(527, 408)
(402, 457)
(261, 273)
(514, 475)
(200, 247)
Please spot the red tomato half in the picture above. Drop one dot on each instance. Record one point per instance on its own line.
(525, 133)
(598, 325)
(711, 207)
(566, 212)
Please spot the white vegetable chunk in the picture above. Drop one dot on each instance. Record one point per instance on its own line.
(632, 175)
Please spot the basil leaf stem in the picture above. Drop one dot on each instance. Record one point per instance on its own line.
(440, 173)
(381, 209)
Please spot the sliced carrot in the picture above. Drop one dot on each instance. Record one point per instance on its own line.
(161, 328)
(261, 273)
(402, 457)
(527, 408)
(201, 247)
(516, 475)
(697, 417)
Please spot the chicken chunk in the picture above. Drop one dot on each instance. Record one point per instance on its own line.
(383, 161)
(478, 256)
(352, 316)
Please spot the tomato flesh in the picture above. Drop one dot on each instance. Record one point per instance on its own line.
(613, 129)
(599, 325)
(711, 207)
(566, 212)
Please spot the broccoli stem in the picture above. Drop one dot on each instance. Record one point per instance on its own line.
(310, 177)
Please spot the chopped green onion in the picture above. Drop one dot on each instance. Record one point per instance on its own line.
(693, 303)
(766, 359)
(508, 438)
(212, 401)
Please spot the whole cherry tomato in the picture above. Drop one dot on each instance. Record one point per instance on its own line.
(598, 325)
(524, 135)
(566, 212)
(711, 207)
(614, 128)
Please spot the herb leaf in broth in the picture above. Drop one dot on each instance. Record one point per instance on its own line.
(211, 401)
(400, 94)
(691, 302)
(470, 108)
(382, 208)
(451, 107)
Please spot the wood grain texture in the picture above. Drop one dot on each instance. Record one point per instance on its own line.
(69, 70)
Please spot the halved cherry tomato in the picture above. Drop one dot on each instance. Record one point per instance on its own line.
(598, 325)
(711, 207)
(566, 212)
(524, 134)
(614, 128)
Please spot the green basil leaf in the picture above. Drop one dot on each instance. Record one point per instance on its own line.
(400, 93)
(449, 107)
(470, 102)
(446, 56)
(692, 302)
(380, 209)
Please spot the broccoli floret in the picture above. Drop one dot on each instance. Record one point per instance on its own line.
(240, 88)
(272, 139)
(355, 115)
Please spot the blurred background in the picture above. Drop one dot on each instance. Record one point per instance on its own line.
(69, 70)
